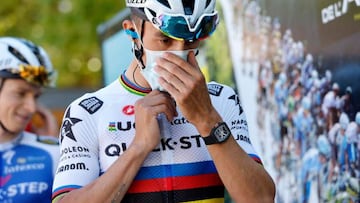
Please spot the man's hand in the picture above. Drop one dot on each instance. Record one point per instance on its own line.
(49, 124)
(187, 85)
(147, 110)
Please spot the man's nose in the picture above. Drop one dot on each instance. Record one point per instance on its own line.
(180, 45)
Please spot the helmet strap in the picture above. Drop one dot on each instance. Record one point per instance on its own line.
(139, 50)
(138, 53)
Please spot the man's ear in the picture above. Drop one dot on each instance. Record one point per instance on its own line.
(129, 28)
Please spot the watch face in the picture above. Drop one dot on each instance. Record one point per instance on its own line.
(222, 132)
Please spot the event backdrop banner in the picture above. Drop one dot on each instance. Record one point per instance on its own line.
(303, 57)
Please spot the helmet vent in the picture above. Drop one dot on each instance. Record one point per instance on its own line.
(165, 3)
(35, 51)
(188, 6)
(153, 13)
(208, 3)
(17, 54)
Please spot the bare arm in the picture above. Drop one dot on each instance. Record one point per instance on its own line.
(112, 185)
(246, 180)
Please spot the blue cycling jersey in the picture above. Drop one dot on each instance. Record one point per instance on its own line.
(27, 169)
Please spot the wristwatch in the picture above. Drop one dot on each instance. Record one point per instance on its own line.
(220, 133)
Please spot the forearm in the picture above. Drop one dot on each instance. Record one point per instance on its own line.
(245, 180)
(112, 185)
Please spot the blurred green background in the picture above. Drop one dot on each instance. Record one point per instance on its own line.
(66, 29)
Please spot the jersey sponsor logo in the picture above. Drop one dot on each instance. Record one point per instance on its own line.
(66, 127)
(179, 121)
(129, 110)
(135, 1)
(236, 99)
(121, 126)
(243, 138)
(23, 188)
(115, 149)
(74, 152)
(4, 180)
(239, 124)
(215, 89)
(74, 149)
(23, 167)
(72, 166)
(8, 156)
(185, 142)
(91, 104)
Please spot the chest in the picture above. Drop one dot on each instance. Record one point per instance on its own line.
(180, 142)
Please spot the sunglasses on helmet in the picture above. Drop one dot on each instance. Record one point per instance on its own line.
(178, 26)
(37, 75)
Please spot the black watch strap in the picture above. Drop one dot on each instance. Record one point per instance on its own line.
(220, 133)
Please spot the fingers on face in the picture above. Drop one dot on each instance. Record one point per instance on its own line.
(173, 74)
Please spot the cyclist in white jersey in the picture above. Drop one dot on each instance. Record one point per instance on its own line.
(27, 161)
(159, 133)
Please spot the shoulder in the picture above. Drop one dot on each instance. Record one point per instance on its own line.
(218, 89)
(221, 94)
(29, 137)
(88, 103)
(225, 99)
(91, 103)
(47, 143)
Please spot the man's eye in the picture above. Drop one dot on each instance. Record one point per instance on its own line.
(165, 40)
(20, 94)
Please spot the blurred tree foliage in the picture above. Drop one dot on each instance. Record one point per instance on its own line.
(66, 29)
(218, 54)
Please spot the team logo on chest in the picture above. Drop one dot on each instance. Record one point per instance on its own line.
(129, 110)
(66, 128)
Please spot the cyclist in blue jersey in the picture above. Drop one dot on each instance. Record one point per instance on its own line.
(159, 133)
(27, 161)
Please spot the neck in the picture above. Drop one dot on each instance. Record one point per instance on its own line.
(134, 75)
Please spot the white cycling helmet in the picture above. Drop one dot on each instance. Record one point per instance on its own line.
(184, 20)
(20, 58)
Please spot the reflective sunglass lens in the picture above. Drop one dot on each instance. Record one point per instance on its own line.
(177, 27)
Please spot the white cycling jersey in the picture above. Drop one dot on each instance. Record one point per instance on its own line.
(98, 127)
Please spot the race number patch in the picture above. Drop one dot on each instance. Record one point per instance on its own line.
(91, 104)
(215, 89)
